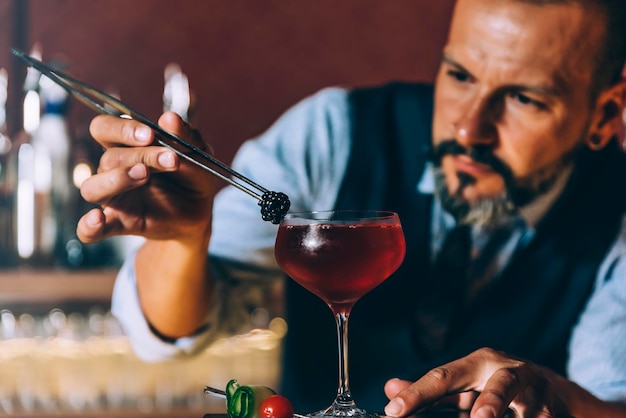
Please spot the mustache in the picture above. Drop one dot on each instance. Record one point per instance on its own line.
(482, 154)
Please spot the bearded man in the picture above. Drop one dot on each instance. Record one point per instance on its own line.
(507, 177)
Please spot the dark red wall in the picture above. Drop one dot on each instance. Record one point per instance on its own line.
(246, 60)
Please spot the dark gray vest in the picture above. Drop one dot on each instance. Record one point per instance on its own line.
(529, 312)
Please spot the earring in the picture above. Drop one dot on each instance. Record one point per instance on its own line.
(595, 142)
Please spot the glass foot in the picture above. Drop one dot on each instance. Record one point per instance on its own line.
(337, 411)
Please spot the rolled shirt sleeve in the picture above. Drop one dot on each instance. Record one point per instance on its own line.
(146, 344)
(304, 154)
(597, 351)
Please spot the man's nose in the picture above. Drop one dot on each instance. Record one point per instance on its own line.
(477, 123)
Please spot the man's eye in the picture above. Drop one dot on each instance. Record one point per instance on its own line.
(460, 76)
(525, 100)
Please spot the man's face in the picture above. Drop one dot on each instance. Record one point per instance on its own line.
(511, 100)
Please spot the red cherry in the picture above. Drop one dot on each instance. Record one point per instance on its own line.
(276, 406)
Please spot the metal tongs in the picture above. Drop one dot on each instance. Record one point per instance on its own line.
(274, 205)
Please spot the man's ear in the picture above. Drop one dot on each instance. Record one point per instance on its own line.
(607, 122)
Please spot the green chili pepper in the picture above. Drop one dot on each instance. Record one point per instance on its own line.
(245, 401)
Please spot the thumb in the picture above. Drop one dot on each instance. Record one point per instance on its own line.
(395, 386)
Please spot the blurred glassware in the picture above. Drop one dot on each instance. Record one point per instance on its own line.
(82, 361)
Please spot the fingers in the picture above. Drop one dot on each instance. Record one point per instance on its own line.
(94, 226)
(499, 391)
(127, 141)
(156, 158)
(489, 382)
(129, 185)
(436, 384)
(122, 169)
(112, 131)
(90, 227)
(517, 389)
(462, 401)
(395, 386)
(171, 122)
(100, 188)
(98, 224)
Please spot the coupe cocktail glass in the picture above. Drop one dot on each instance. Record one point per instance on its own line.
(340, 256)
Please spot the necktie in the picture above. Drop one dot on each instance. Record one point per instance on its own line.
(461, 271)
(443, 293)
(501, 244)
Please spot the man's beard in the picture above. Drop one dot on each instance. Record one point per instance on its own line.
(517, 192)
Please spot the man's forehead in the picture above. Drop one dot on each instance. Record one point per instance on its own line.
(567, 19)
(514, 32)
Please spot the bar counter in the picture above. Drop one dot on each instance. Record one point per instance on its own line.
(193, 414)
(30, 288)
(125, 414)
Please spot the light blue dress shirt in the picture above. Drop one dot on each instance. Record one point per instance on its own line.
(304, 154)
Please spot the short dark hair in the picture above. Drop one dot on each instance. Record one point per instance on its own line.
(611, 57)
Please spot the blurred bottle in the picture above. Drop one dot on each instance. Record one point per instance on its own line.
(62, 164)
(21, 167)
(176, 93)
(7, 190)
(52, 188)
(38, 172)
(70, 252)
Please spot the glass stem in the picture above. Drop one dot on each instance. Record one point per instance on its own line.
(344, 397)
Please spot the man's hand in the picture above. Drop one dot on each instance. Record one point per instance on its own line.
(488, 382)
(146, 190)
(143, 189)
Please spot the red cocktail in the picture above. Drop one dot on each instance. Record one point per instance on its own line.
(340, 256)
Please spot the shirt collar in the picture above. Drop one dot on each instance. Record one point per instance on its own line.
(426, 185)
(535, 210)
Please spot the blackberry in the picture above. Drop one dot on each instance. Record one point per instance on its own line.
(274, 205)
